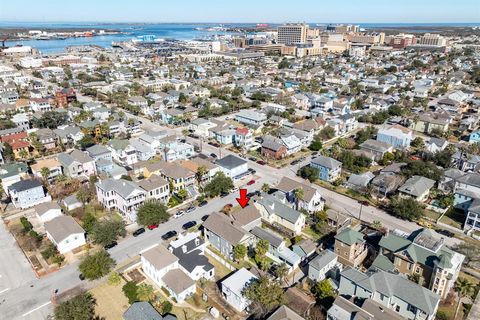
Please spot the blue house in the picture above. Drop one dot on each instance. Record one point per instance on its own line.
(329, 168)
(28, 193)
(474, 137)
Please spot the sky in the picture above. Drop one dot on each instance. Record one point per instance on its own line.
(228, 11)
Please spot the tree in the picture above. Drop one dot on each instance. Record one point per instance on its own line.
(281, 272)
(299, 194)
(417, 143)
(81, 307)
(284, 64)
(265, 295)
(239, 252)
(376, 224)
(107, 231)
(420, 168)
(7, 152)
(470, 251)
(84, 194)
(219, 184)
(464, 288)
(327, 133)
(407, 208)
(88, 222)
(166, 307)
(152, 212)
(51, 120)
(86, 141)
(130, 291)
(114, 279)
(324, 292)
(145, 292)
(96, 265)
(309, 173)
(45, 172)
(316, 144)
(266, 187)
(201, 171)
(262, 247)
(27, 225)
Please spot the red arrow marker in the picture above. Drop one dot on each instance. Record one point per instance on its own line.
(243, 200)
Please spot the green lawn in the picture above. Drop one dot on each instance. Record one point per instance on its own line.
(454, 218)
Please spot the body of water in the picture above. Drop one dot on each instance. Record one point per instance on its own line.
(167, 31)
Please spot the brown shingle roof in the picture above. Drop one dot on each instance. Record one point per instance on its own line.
(159, 257)
(61, 227)
(177, 280)
(223, 226)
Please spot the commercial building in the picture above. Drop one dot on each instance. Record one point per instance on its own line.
(292, 33)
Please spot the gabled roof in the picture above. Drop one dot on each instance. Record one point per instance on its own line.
(273, 206)
(230, 162)
(323, 259)
(350, 236)
(284, 313)
(177, 280)
(224, 227)
(122, 187)
(159, 257)
(417, 186)
(288, 185)
(326, 162)
(23, 185)
(141, 311)
(61, 227)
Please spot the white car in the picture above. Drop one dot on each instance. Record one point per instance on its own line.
(178, 214)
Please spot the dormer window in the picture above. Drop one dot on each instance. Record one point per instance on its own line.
(197, 242)
(184, 249)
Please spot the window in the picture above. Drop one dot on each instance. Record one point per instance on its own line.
(417, 270)
(397, 308)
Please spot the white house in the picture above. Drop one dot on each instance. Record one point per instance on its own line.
(321, 265)
(48, 210)
(233, 286)
(65, 233)
(232, 166)
(162, 267)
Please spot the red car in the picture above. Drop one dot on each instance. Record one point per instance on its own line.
(153, 226)
(249, 183)
(261, 162)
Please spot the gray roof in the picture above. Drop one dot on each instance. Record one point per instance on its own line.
(159, 257)
(141, 311)
(23, 185)
(271, 237)
(284, 313)
(43, 208)
(67, 159)
(230, 162)
(323, 259)
(396, 285)
(471, 179)
(417, 185)
(272, 143)
(273, 206)
(223, 227)
(237, 281)
(375, 145)
(123, 187)
(177, 280)
(327, 162)
(61, 227)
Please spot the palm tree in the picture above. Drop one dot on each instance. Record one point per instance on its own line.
(201, 170)
(145, 292)
(281, 272)
(23, 154)
(266, 187)
(464, 288)
(45, 172)
(298, 194)
(376, 224)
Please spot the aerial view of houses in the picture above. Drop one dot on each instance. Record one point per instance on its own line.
(291, 171)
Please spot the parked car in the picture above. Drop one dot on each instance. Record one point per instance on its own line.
(223, 194)
(81, 276)
(178, 214)
(190, 209)
(261, 162)
(446, 233)
(424, 223)
(138, 232)
(249, 183)
(295, 162)
(314, 153)
(169, 235)
(110, 245)
(189, 224)
(213, 155)
(252, 171)
(203, 203)
(152, 226)
(252, 159)
(205, 217)
(364, 203)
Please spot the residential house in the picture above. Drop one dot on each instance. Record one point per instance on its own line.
(144, 151)
(163, 268)
(278, 214)
(71, 203)
(435, 145)
(417, 187)
(121, 195)
(424, 255)
(273, 148)
(465, 162)
(122, 152)
(329, 169)
(251, 118)
(47, 138)
(11, 173)
(350, 247)
(347, 309)
(143, 310)
(223, 235)
(321, 265)
(377, 148)
(305, 249)
(98, 152)
(292, 143)
(65, 233)
(156, 188)
(360, 182)
(284, 313)
(233, 166)
(393, 291)
(233, 286)
(69, 135)
(190, 251)
(174, 173)
(243, 138)
(27, 193)
(429, 121)
(194, 164)
(47, 211)
(178, 151)
(77, 164)
(311, 200)
(396, 135)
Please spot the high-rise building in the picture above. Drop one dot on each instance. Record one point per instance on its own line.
(292, 33)
(402, 40)
(432, 40)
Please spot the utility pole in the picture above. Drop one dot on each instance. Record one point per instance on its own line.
(360, 214)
